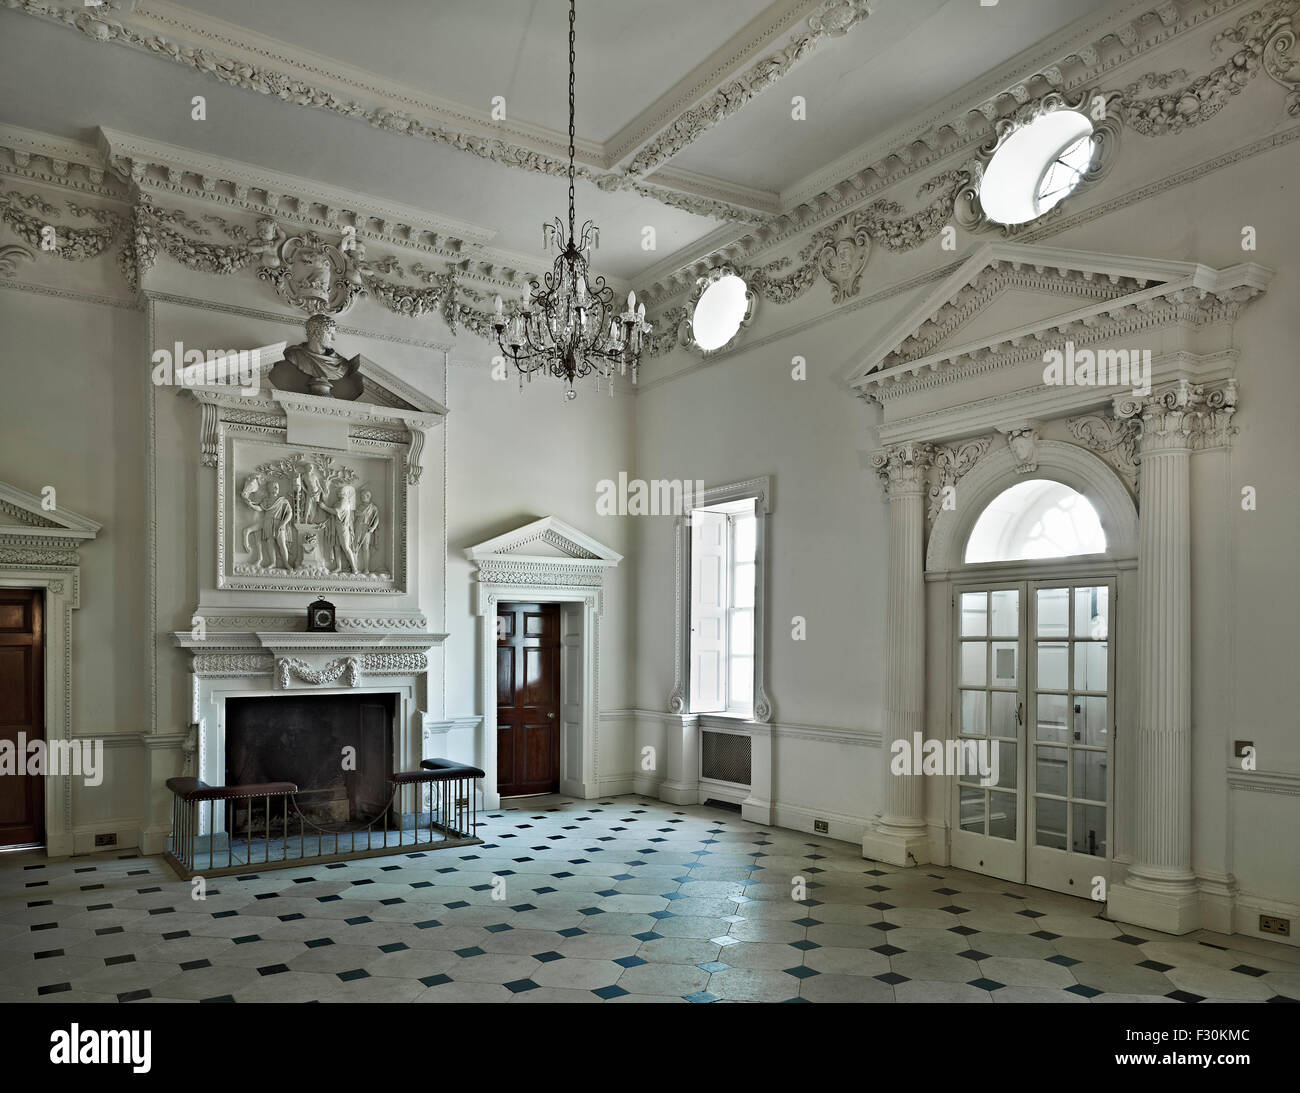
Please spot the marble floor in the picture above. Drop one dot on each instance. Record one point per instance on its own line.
(621, 900)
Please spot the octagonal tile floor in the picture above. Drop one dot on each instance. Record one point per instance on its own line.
(620, 900)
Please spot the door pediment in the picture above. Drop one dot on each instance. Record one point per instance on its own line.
(24, 514)
(545, 540)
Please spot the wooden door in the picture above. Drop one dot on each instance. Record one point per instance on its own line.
(528, 698)
(22, 711)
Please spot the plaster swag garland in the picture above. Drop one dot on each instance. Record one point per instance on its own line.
(1265, 41)
(72, 244)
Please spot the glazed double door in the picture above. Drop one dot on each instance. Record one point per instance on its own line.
(1034, 663)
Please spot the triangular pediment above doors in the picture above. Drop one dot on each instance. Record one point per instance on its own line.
(546, 540)
(1007, 300)
(25, 514)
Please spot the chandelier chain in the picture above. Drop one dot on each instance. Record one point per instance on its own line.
(573, 57)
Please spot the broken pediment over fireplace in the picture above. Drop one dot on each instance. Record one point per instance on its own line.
(314, 494)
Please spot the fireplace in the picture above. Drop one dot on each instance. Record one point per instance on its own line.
(337, 748)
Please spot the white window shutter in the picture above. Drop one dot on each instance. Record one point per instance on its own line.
(708, 611)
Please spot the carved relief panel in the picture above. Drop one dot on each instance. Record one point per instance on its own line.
(302, 520)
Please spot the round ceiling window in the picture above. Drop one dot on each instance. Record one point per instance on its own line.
(720, 312)
(1037, 167)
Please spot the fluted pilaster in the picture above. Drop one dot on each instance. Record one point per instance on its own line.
(900, 836)
(1160, 889)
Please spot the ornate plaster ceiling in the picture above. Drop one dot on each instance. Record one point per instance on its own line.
(683, 108)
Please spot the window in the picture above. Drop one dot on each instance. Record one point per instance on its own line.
(1036, 519)
(1037, 166)
(724, 575)
(720, 312)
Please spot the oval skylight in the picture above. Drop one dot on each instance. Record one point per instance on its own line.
(1037, 167)
(719, 312)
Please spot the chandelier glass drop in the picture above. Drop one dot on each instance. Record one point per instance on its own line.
(567, 324)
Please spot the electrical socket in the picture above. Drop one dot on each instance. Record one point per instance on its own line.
(822, 827)
(1275, 924)
(107, 838)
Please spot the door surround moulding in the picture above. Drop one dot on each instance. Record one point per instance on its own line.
(512, 568)
(39, 549)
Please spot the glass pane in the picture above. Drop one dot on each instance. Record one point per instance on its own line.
(744, 543)
(1053, 719)
(1050, 765)
(743, 591)
(1053, 666)
(972, 810)
(974, 611)
(1007, 772)
(1089, 775)
(741, 684)
(972, 713)
(1090, 721)
(970, 757)
(972, 663)
(1053, 612)
(742, 632)
(1050, 823)
(1090, 665)
(1005, 669)
(1089, 830)
(1004, 713)
(1006, 613)
(1002, 815)
(1091, 616)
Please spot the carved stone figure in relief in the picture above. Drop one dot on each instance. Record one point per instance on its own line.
(339, 529)
(365, 532)
(275, 533)
(314, 519)
(266, 243)
(323, 370)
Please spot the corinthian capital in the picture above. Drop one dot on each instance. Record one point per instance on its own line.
(1185, 415)
(902, 468)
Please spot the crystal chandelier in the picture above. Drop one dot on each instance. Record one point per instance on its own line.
(567, 324)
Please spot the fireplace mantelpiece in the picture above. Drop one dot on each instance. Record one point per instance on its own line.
(251, 663)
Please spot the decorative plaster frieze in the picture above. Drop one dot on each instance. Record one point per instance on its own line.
(1263, 40)
(952, 131)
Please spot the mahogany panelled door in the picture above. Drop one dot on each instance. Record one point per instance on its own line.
(528, 698)
(22, 711)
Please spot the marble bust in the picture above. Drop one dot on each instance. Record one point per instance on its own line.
(315, 366)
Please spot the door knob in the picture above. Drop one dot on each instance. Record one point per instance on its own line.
(550, 716)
